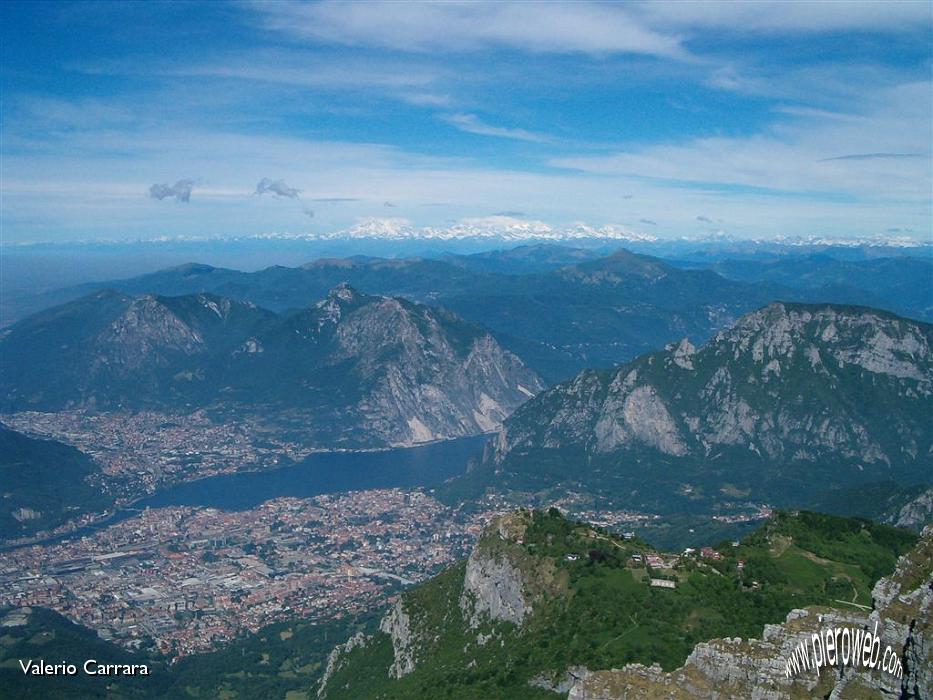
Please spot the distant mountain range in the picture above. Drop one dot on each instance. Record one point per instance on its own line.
(352, 370)
(507, 228)
(903, 285)
(791, 402)
(500, 228)
(560, 309)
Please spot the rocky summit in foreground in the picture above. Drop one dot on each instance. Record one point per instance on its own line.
(352, 370)
(792, 399)
(544, 603)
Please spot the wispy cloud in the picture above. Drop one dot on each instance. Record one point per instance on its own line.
(554, 27)
(649, 222)
(425, 99)
(472, 124)
(815, 113)
(873, 156)
(180, 191)
(295, 67)
(781, 17)
(797, 157)
(334, 200)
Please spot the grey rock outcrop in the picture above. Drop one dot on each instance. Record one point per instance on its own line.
(397, 624)
(916, 513)
(494, 585)
(493, 589)
(337, 658)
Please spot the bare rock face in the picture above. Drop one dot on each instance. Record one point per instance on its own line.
(397, 624)
(337, 658)
(501, 582)
(424, 385)
(425, 374)
(147, 332)
(904, 604)
(917, 512)
(493, 586)
(492, 590)
(737, 669)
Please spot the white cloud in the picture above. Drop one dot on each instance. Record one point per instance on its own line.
(553, 27)
(804, 111)
(781, 16)
(425, 99)
(472, 124)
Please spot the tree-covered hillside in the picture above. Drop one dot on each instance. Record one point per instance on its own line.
(43, 483)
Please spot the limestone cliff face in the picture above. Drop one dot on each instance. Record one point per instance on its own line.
(737, 669)
(493, 590)
(397, 624)
(338, 658)
(428, 375)
(904, 603)
(916, 513)
(499, 584)
(502, 582)
(494, 587)
(789, 383)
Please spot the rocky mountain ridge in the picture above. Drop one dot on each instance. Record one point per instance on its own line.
(790, 387)
(562, 312)
(352, 370)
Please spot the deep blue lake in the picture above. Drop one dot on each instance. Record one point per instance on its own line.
(327, 472)
(321, 472)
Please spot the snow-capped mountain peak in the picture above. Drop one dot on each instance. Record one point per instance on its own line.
(499, 227)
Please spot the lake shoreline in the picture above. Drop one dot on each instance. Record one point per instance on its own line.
(390, 461)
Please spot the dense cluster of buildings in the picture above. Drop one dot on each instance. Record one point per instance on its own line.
(184, 579)
(141, 452)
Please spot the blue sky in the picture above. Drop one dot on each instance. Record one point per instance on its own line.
(671, 119)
